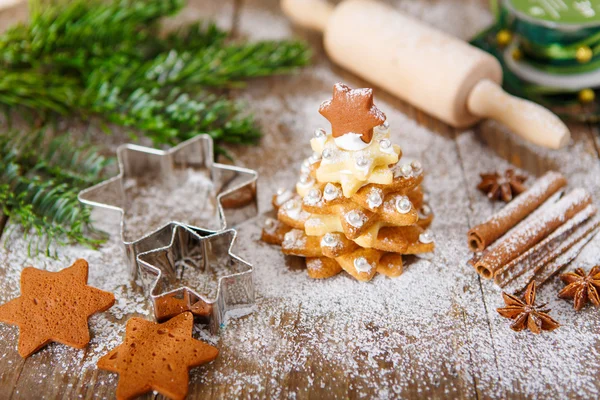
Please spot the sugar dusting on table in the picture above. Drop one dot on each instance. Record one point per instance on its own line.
(190, 194)
(389, 337)
(386, 336)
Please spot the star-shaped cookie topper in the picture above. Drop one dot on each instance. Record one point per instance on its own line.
(183, 255)
(352, 111)
(54, 307)
(231, 190)
(157, 357)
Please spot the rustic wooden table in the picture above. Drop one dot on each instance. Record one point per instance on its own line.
(440, 338)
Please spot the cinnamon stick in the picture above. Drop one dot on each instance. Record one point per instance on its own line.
(559, 258)
(535, 214)
(557, 242)
(531, 231)
(559, 262)
(481, 236)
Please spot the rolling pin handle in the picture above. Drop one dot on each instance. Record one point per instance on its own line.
(528, 120)
(311, 14)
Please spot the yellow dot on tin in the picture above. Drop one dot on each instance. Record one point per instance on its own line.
(586, 96)
(584, 54)
(517, 54)
(503, 37)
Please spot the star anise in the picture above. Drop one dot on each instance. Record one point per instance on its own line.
(497, 186)
(581, 287)
(526, 314)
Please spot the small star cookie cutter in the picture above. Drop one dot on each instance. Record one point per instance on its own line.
(232, 188)
(189, 253)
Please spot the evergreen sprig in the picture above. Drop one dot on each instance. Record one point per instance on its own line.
(106, 59)
(40, 177)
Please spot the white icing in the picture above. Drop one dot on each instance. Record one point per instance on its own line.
(306, 183)
(426, 237)
(355, 218)
(292, 209)
(385, 145)
(331, 192)
(351, 142)
(313, 197)
(305, 168)
(403, 204)
(374, 199)
(314, 222)
(328, 156)
(362, 265)
(314, 158)
(406, 170)
(329, 240)
(284, 196)
(363, 164)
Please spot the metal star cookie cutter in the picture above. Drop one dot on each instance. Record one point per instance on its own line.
(189, 254)
(232, 190)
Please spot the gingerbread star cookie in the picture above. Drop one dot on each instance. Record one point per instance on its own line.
(54, 307)
(352, 111)
(157, 357)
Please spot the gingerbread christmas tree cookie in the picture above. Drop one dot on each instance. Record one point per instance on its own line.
(157, 357)
(54, 307)
(356, 207)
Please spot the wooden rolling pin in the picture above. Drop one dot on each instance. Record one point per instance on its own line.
(438, 73)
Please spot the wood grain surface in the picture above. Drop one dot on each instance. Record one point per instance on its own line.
(287, 110)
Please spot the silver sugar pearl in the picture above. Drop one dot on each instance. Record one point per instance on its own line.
(291, 205)
(327, 154)
(288, 239)
(384, 126)
(354, 218)
(425, 211)
(269, 222)
(320, 133)
(385, 144)
(426, 237)
(403, 205)
(362, 162)
(417, 167)
(305, 168)
(280, 191)
(314, 158)
(374, 199)
(304, 179)
(314, 194)
(362, 265)
(406, 170)
(330, 192)
(329, 240)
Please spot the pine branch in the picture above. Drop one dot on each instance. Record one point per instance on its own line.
(71, 34)
(40, 178)
(194, 37)
(169, 116)
(222, 66)
(49, 92)
(106, 58)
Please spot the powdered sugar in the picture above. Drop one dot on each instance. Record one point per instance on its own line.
(191, 196)
(107, 271)
(432, 332)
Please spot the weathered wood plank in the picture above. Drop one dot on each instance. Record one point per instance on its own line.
(340, 339)
(299, 97)
(521, 356)
(59, 371)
